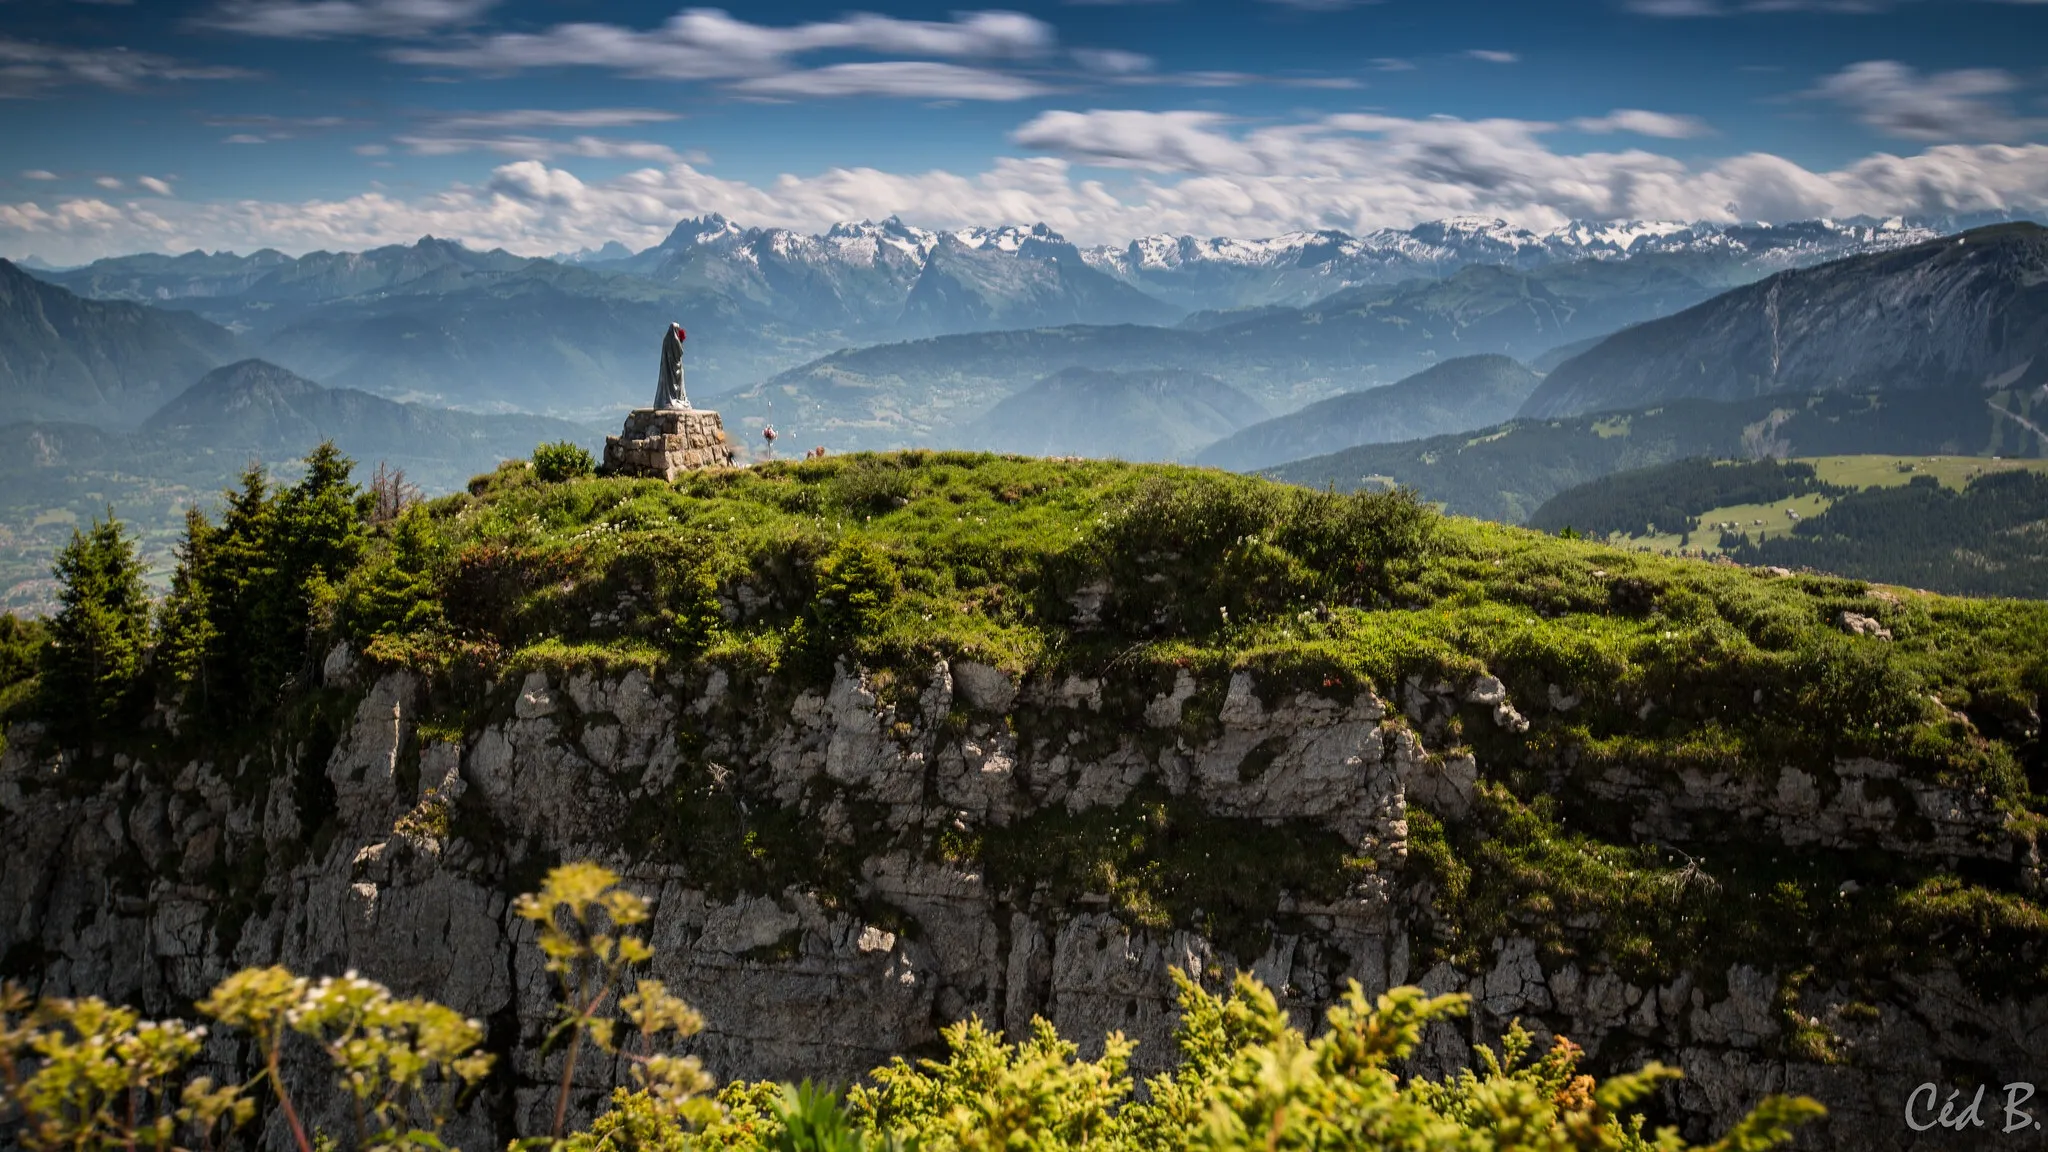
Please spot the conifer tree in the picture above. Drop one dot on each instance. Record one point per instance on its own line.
(236, 568)
(184, 624)
(22, 641)
(317, 534)
(397, 594)
(98, 636)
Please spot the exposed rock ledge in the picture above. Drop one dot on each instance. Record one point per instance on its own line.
(170, 875)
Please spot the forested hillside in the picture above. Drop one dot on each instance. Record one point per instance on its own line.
(1968, 526)
(1670, 498)
(1990, 539)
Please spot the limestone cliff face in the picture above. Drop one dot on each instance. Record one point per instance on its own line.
(390, 838)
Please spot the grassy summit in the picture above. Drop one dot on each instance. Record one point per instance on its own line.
(905, 557)
(1139, 573)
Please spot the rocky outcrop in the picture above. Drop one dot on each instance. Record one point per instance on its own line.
(362, 836)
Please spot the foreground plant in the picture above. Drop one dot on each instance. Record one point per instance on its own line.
(582, 917)
(405, 1064)
(85, 1076)
(1249, 1081)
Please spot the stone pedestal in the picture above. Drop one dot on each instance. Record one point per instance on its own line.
(667, 442)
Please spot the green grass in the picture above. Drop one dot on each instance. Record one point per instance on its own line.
(1776, 521)
(1896, 471)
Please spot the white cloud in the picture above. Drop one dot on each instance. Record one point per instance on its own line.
(1151, 141)
(1491, 56)
(371, 149)
(1392, 64)
(553, 118)
(709, 44)
(269, 122)
(1662, 125)
(539, 148)
(28, 68)
(244, 138)
(317, 19)
(1112, 61)
(152, 184)
(1184, 172)
(1898, 101)
(916, 79)
(109, 183)
(264, 127)
(38, 174)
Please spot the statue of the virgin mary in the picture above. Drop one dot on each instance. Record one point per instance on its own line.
(668, 390)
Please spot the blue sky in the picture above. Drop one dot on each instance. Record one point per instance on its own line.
(545, 125)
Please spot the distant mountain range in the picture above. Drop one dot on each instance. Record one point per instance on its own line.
(1159, 415)
(889, 280)
(437, 322)
(843, 272)
(877, 335)
(1468, 392)
(106, 362)
(574, 336)
(258, 409)
(923, 391)
(1968, 312)
(1303, 266)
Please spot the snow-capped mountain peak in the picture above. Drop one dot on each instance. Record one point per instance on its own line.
(1222, 272)
(1008, 237)
(702, 231)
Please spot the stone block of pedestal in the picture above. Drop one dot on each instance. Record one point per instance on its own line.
(667, 442)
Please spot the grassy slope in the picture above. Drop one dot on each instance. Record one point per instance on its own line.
(1876, 471)
(900, 559)
(1872, 471)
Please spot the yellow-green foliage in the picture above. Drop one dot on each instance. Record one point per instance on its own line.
(89, 1077)
(583, 918)
(562, 460)
(87, 1074)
